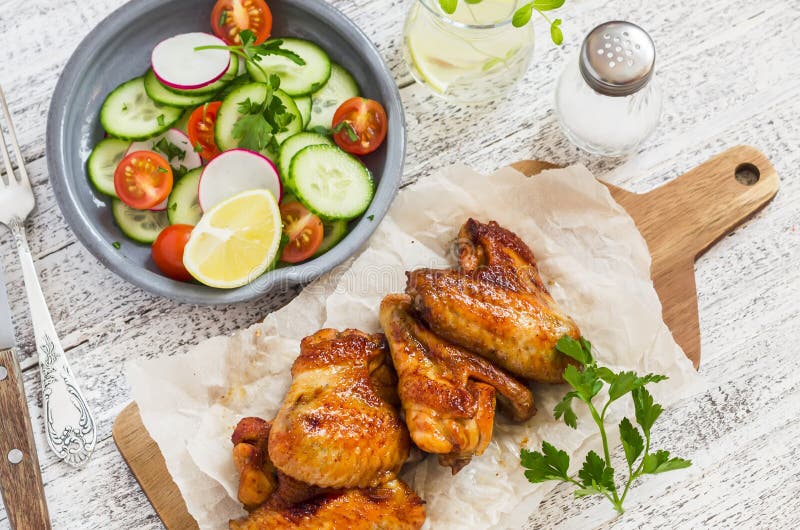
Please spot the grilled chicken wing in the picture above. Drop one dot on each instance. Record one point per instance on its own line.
(497, 306)
(257, 480)
(390, 506)
(337, 427)
(448, 394)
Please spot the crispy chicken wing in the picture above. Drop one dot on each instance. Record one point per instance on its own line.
(257, 480)
(391, 506)
(497, 306)
(337, 427)
(448, 394)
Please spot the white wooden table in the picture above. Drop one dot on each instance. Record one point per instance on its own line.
(730, 70)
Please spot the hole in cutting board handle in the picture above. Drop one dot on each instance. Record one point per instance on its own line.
(747, 174)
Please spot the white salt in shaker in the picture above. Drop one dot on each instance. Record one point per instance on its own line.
(606, 99)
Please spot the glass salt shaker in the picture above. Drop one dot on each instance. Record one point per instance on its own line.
(606, 99)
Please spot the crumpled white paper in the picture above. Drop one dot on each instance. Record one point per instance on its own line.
(590, 253)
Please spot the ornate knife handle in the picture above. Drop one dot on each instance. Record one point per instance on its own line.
(69, 427)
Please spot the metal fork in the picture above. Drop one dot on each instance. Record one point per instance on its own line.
(69, 425)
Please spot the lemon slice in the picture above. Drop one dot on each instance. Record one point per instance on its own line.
(236, 241)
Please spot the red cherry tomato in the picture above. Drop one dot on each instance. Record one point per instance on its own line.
(304, 230)
(143, 179)
(168, 251)
(201, 129)
(231, 17)
(360, 125)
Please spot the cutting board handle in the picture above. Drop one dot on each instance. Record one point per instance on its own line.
(689, 214)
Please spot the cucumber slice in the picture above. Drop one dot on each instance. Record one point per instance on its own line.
(213, 88)
(129, 113)
(228, 115)
(330, 182)
(103, 162)
(340, 87)
(160, 94)
(304, 106)
(183, 205)
(334, 232)
(142, 226)
(296, 80)
(293, 145)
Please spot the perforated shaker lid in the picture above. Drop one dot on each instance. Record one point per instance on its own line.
(617, 58)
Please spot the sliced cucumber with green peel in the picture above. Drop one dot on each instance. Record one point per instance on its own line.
(331, 183)
(160, 94)
(142, 226)
(296, 80)
(103, 162)
(229, 114)
(304, 106)
(216, 86)
(340, 87)
(183, 205)
(334, 232)
(292, 145)
(130, 114)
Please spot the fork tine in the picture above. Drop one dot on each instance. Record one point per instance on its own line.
(14, 144)
(8, 169)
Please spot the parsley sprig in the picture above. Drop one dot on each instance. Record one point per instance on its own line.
(252, 52)
(597, 476)
(523, 14)
(260, 121)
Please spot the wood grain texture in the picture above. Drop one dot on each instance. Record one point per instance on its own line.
(20, 480)
(726, 81)
(679, 220)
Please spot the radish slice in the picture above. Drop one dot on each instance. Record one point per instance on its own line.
(160, 207)
(236, 171)
(189, 159)
(177, 64)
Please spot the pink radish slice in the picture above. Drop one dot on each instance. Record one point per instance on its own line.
(190, 160)
(236, 171)
(160, 207)
(177, 64)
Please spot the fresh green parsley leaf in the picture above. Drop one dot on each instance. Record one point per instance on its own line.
(606, 374)
(660, 462)
(550, 464)
(124, 107)
(117, 245)
(273, 47)
(347, 127)
(632, 441)
(585, 382)
(173, 206)
(274, 81)
(161, 170)
(198, 148)
(319, 129)
(622, 384)
(160, 120)
(252, 131)
(223, 18)
(575, 349)
(647, 412)
(178, 173)
(371, 217)
(169, 150)
(564, 409)
(596, 472)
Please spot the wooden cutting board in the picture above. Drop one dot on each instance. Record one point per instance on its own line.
(679, 221)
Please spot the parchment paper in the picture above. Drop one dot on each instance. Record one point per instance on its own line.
(589, 251)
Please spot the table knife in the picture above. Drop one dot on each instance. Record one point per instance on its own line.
(20, 478)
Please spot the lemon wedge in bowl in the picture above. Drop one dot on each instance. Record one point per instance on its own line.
(236, 241)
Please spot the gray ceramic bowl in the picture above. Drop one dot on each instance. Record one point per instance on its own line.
(118, 49)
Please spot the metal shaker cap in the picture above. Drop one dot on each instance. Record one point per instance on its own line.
(617, 58)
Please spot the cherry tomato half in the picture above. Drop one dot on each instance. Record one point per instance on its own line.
(304, 230)
(143, 179)
(359, 125)
(201, 129)
(168, 251)
(229, 17)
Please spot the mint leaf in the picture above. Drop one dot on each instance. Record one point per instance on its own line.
(660, 462)
(632, 441)
(564, 408)
(574, 349)
(647, 412)
(522, 15)
(595, 472)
